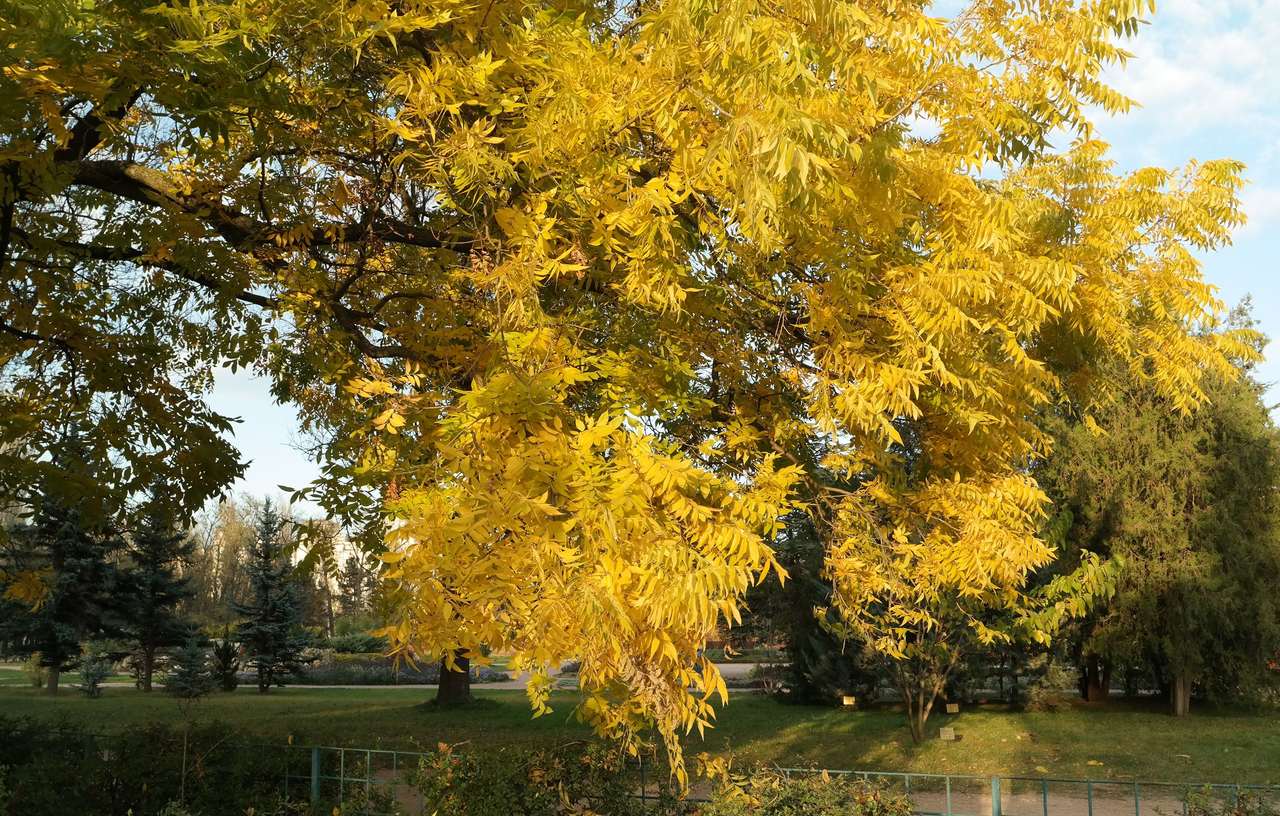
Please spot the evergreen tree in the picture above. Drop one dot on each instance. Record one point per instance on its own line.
(157, 553)
(74, 549)
(825, 662)
(1190, 506)
(270, 632)
(226, 661)
(189, 676)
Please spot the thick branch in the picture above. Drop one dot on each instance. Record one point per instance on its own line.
(147, 185)
(137, 256)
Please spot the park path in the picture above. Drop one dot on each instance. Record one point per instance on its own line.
(730, 671)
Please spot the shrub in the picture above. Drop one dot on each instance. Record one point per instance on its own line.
(94, 668)
(1045, 692)
(225, 663)
(359, 643)
(541, 782)
(64, 770)
(1207, 803)
(771, 794)
(338, 668)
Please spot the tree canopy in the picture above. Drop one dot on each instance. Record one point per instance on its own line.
(574, 289)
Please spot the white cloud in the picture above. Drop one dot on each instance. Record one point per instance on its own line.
(1205, 65)
(1262, 205)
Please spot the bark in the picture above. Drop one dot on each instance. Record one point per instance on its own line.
(919, 697)
(1097, 674)
(1180, 694)
(455, 686)
(51, 680)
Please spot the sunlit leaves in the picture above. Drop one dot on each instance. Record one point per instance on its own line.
(586, 296)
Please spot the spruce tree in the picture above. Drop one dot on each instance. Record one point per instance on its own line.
(75, 551)
(189, 675)
(157, 552)
(270, 632)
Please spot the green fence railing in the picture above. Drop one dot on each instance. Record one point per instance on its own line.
(385, 782)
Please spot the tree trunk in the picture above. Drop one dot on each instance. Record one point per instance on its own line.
(264, 680)
(919, 700)
(1180, 694)
(455, 686)
(51, 681)
(148, 667)
(328, 610)
(1097, 674)
(916, 719)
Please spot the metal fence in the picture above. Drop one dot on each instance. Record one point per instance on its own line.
(386, 782)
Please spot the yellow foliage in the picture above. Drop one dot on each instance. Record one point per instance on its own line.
(597, 287)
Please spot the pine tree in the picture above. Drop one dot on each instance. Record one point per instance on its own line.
(273, 614)
(157, 552)
(74, 551)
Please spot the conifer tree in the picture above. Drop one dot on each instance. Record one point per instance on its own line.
(1189, 507)
(72, 548)
(189, 676)
(273, 613)
(226, 661)
(157, 552)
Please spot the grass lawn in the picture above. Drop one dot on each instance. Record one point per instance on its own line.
(1119, 742)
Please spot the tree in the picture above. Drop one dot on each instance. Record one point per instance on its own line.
(272, 615)
(158, 553)
(355, 584)
(226, 661)
(566, 289)
(189, 677)
(83, 595)
(1188, 506)
(824, 662)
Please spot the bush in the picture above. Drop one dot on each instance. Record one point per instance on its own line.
(569, 779)
(771, 794)
(359, 643)
(94, 668)
(189, 677)
(1207, 803)
(1045, 693)
(64, 770)
(342, 669)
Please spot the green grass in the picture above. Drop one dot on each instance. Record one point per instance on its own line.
(1130, 741)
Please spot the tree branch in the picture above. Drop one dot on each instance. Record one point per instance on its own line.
(147, 185)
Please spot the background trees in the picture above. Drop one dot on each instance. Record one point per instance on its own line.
(1188, 507)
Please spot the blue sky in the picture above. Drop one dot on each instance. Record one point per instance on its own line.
(1207, 74)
